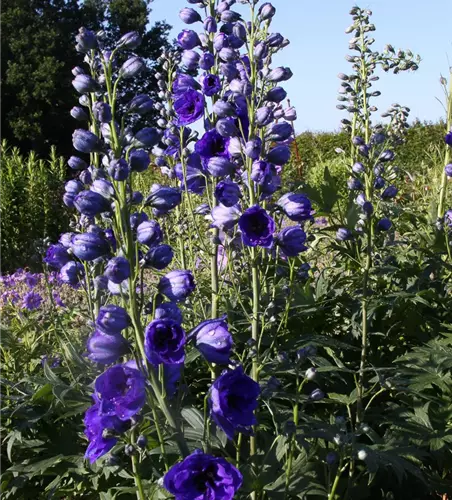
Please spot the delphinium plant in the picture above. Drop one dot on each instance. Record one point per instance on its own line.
(223, 209)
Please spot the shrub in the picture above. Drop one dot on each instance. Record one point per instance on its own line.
(30, 205)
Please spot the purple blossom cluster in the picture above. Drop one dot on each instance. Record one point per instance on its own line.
(236, 163)
(28, 291)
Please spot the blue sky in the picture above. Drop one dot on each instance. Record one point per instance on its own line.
(319, 44)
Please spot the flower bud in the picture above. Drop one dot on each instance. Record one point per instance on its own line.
(279, 155)
(389, 192)
(213, 339)
(279, 74)
(253, 148)
(118, 170)
(149, 233)
(147, 137)
(266, 11)
(141, 104)
(384, 224)
(104, 188)
(139, 160)
(86, 40)
(220, 166)
(296, 206)
(190, 59)
(90, 203)
(223, 109)
(79, 114)
(71, 273)
(230, 16)
(188, 39)
(177, 285)
(226, 127)
(310, 373)
(102, 112)
(84, 84)
(167, 310)
(316, 395)
(117, 269)
(448, 170)
(159, 257)
(163, 198)
(106, 349)
(264, 116)
(279, 132)
(206, 61)
(112, 319)
(277, 95)
(210, 25)
(85, 141)
(189, 15)
(291, 240)
(227, 193)
(343, 234)
(130, 40)
(77, 70)
(132, 67)
(77, 163)
(89, 246)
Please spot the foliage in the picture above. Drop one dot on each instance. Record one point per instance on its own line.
(38, 54)
(317, 149)
(30, 205)
(345, 327)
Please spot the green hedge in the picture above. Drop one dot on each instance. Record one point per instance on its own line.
(421, 147)
(31, 206)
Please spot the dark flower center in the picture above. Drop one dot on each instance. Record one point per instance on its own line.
(258, 224)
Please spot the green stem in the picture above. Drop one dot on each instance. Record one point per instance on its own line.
(332, 494)
(447, 160)
(137, 478)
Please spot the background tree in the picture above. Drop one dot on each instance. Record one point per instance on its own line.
(38, 55)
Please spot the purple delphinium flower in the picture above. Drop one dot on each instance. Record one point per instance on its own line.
(210, 84)
(384, 224)
(227, 193)
(117, 269)
(149, 233)
(164, 342)
(292, 241)
(188, 39)
(257, 227)
(168, 310)
(189, 15)
(31, 280)
(202, 476)
(96, 427)
(71, 273)
(58, 300)
(213, 339)
(89, 246)
(112, 319)
(57, 256)
(106, 349)
(177, 285)
(389, 192)
(448, 138)
(232, 401)
(91, 203)
(189, 107)
(163, 198)
(121, 391)
(159, 257)
(296, 206)
(225, 217)
(212, 144)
